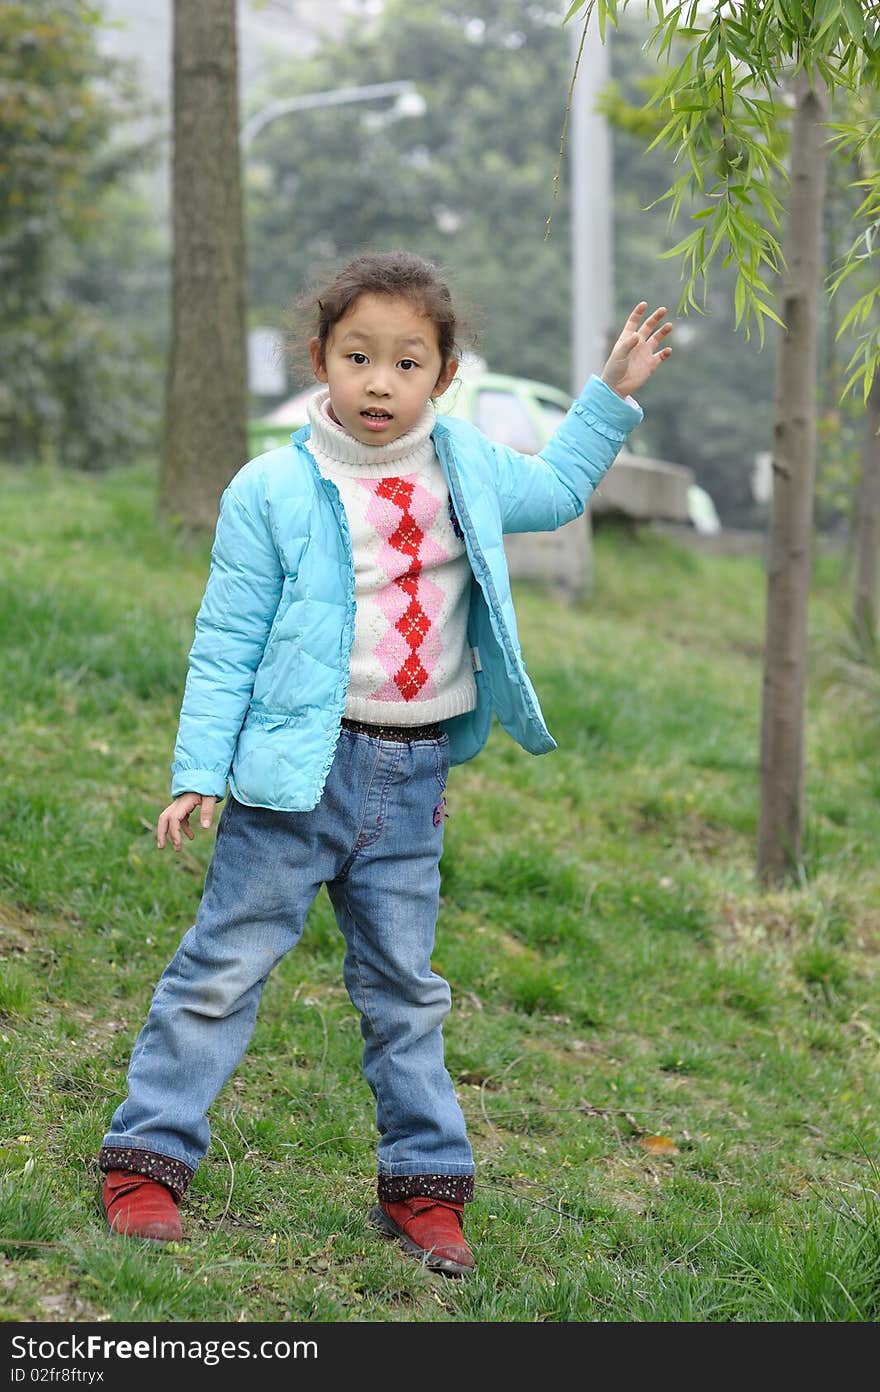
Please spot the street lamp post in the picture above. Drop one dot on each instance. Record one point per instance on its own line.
(409, 100)
(265, 374)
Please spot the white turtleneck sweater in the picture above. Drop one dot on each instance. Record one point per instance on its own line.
(410, 661)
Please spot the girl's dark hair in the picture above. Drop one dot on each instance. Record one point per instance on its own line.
(397, 273)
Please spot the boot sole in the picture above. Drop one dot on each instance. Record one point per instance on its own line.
(445, 1265)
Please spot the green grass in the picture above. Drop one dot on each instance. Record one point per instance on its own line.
(617, 974)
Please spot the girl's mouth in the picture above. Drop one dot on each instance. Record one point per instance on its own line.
(374, 420)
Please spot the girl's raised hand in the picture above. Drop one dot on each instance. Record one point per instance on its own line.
(175, 818)
(638, 352)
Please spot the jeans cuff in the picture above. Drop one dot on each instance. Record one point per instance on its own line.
(457, 1188)
(174, 1174)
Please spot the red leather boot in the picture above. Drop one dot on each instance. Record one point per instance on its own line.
(137, 1206)
(429, 1228)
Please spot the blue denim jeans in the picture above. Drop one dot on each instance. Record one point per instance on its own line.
(375, 841)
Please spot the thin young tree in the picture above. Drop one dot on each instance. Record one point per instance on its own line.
(865, 603)
(866, 308)
(789, 550)
(725, 65)
(205, 422)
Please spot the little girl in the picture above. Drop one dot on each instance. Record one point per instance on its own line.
(355, 638)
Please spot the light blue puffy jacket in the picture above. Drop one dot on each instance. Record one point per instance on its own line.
(269, 665)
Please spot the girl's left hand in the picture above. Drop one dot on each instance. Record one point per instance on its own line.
(637, 353)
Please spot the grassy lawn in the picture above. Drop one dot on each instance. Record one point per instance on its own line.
(670, 1076)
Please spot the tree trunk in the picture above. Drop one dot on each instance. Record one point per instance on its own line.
(789, 557)
(868, 523)
(205, 427)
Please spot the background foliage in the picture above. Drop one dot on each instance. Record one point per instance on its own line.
(78, 373)
(84, 242)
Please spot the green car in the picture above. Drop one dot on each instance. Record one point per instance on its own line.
(515, 411)
(512, 410)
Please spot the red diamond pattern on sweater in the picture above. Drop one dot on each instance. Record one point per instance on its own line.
(408, 540)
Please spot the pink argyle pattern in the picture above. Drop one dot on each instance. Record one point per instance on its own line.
(402, 512)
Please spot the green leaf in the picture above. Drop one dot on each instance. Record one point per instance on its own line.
(766, 312)
(854, 20)
(739, 300)
(577, 5)
(681, 248)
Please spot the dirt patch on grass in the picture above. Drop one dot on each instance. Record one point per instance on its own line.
(787, 919)
(20, 930)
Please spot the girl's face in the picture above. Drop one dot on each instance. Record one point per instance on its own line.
(382, 365)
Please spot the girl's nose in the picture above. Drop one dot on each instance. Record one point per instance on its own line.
(378, 383)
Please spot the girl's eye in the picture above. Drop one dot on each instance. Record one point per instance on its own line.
(358, 358)
(407, 364)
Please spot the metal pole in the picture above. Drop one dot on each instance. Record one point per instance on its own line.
(592, 289)
(591, 176)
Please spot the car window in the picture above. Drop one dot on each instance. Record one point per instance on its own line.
(553, 413)
(503, 417)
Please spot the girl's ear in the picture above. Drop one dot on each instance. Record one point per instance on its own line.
(445, 377)
(317, 358)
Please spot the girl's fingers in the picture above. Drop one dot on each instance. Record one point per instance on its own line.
(174, 820)
(170, 827)
(634, 324)
(632, 319)
(663, 330)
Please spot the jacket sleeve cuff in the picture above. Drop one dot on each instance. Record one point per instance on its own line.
(607, 412)
(207, 782)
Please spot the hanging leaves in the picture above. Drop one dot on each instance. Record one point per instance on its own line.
(720, 107)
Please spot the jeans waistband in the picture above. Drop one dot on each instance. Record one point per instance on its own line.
(403, 734)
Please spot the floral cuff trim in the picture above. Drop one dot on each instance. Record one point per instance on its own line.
(174, 1174)
(394, 1188)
